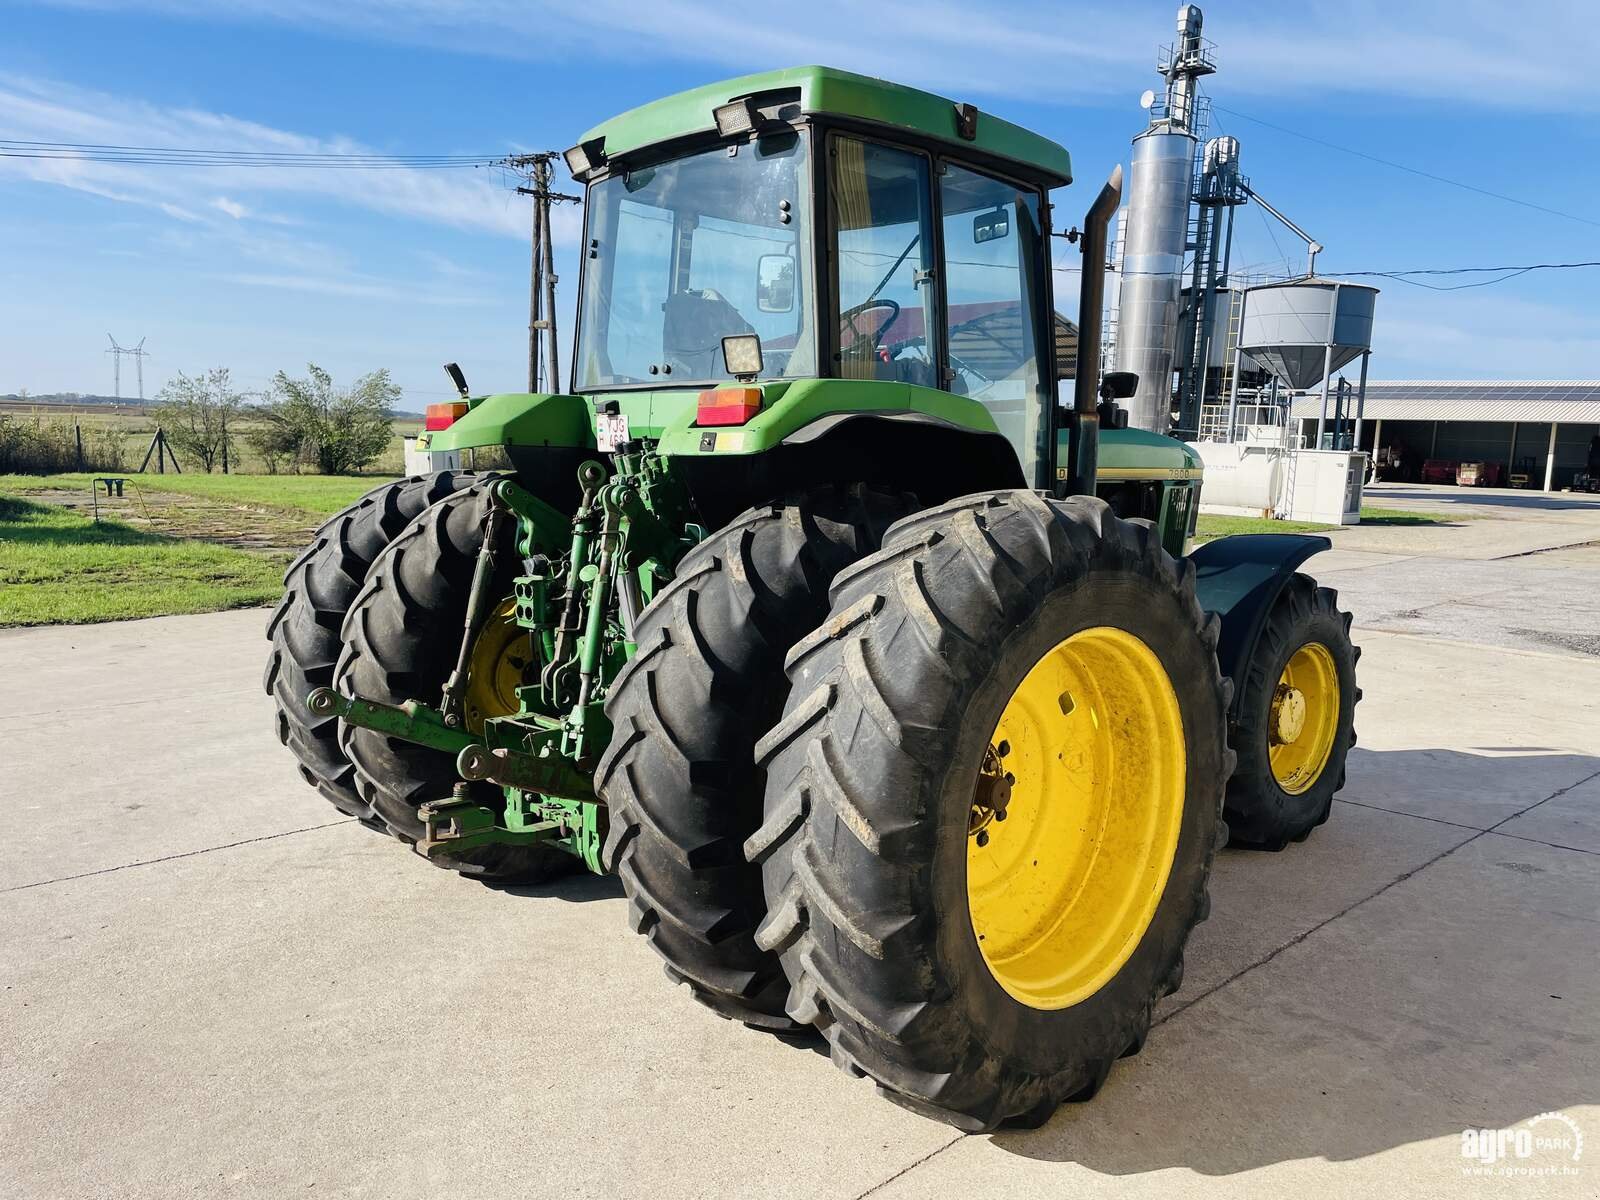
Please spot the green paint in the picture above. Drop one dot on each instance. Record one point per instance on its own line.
(840, 95)
(788, 406)
(518, 419)
(1123, 450)
(412, 721)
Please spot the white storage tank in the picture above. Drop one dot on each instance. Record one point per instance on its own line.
(1305, 330)
(1241, 479)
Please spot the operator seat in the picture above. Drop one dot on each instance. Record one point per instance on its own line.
(694, 324)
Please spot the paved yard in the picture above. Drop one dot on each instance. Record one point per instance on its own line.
(214, 986)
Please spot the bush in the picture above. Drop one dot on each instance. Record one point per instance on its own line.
(48, 446)
(336, 430)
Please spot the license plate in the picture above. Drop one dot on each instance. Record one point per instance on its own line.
(610, 430)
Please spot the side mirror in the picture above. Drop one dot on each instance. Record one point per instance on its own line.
(987, 227)
(774, 283)
(1119, 385)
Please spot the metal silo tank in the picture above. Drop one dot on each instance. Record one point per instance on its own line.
(1305, 329)
(1157, 229)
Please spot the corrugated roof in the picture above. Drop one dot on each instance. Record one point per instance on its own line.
(1532, 400)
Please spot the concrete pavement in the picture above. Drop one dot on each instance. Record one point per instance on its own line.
(215, 986)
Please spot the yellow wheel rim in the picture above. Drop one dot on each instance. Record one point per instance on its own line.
(495, 668)
(1303, 718)
(1064, 873)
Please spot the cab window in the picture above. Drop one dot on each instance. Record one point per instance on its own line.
(883, 284)
(994, 294)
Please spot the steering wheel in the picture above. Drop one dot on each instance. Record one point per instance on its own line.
(849, 315)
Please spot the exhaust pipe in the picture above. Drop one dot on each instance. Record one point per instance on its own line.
(1084, 423)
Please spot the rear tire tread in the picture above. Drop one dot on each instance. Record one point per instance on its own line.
(679, 778)
(320, 585)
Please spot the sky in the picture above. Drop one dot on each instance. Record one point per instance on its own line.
(268, 269)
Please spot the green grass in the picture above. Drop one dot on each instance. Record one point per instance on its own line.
(1212, 525)
(1406, 516)
(313, 495)
(59, 568)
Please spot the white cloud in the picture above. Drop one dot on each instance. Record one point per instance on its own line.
(1472, 51)
(355, 288)
(39, 110)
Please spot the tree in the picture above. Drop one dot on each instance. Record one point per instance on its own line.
(339, 430)
(276, 442)
(195, 410)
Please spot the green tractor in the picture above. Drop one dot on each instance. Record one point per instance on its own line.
(887, 686)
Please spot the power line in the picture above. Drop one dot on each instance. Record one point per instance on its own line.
(1455, 183)
(1501, 274)
(175, 156)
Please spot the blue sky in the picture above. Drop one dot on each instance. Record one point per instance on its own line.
(261, 269)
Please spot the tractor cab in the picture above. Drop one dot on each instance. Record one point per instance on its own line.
(810, 225)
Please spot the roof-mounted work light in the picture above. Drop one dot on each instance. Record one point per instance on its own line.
(586, 157)
(737, 118)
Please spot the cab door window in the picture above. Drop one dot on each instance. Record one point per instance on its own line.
(883, 251)
(994, 300)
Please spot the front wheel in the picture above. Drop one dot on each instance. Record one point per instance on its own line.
(1296, 722)
(992, 804)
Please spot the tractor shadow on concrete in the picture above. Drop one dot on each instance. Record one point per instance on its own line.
(1395, 979)
(581, 887)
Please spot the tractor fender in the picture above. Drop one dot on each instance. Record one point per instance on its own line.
(791, 407)
(1240, 578)
(513, 419)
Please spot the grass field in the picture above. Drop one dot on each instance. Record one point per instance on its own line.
(56, 567)
(172, 544)
(314, 495)
(1212, 525)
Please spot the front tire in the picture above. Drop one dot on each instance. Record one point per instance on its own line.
(1296, 721)
(883, 776)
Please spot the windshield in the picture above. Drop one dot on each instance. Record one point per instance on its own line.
(683, 254)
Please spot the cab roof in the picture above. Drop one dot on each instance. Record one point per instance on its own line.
(826, 91)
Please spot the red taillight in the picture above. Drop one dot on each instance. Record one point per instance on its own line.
(442, 416)
(728, 406)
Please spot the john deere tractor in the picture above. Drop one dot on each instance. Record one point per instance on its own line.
(888, 686)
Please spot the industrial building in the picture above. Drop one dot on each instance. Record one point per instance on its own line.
(1540, 430)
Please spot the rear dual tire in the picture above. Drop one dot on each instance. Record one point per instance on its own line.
(871, 778)
(319, 588)
(401, 636)
(682, 789)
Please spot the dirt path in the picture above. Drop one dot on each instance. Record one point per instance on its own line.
(243, 526)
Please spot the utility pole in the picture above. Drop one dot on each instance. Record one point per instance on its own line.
(543, 360)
